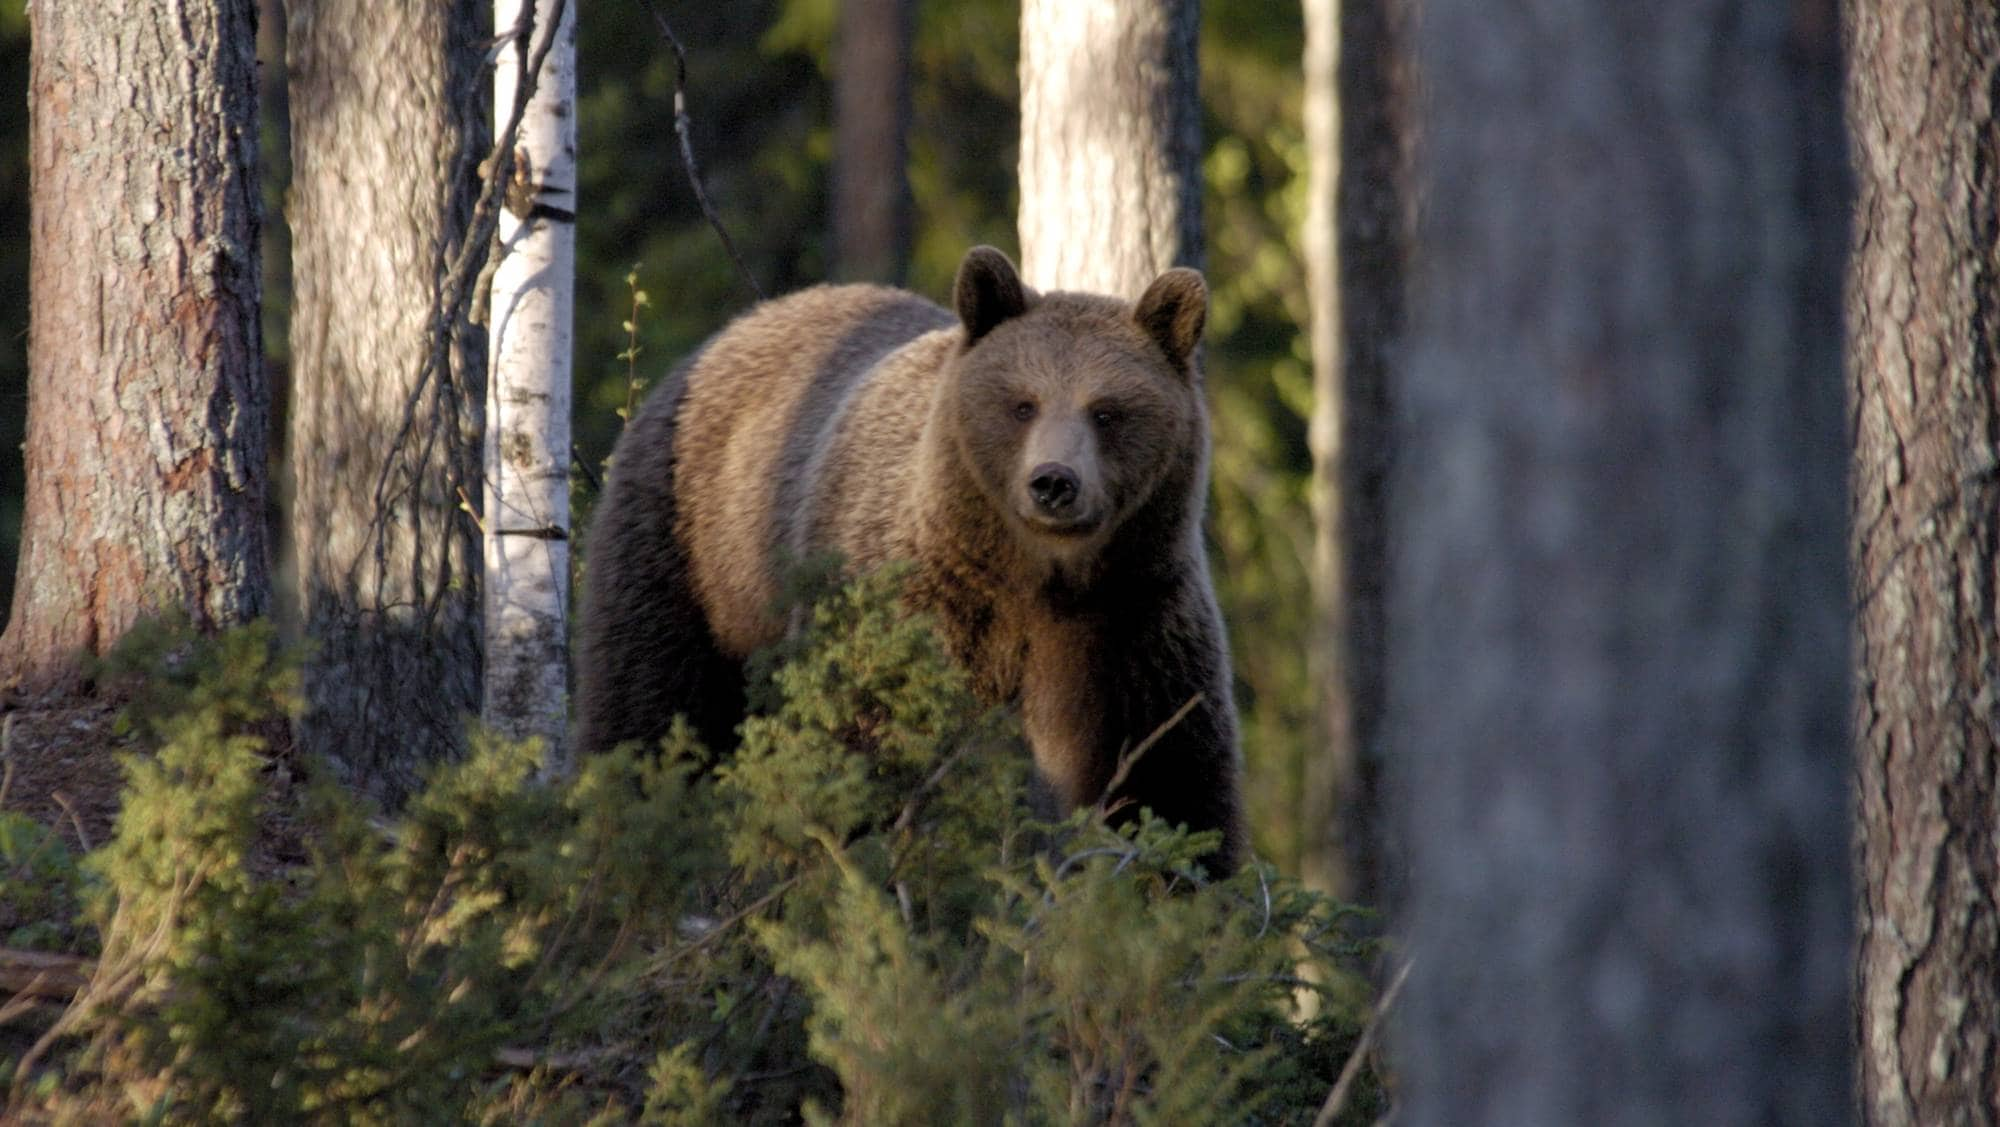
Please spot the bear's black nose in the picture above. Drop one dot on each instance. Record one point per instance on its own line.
(1053, 486)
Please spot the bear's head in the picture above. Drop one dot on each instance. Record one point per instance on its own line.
(1074, 411)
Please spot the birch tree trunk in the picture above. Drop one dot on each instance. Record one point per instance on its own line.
(871, 114)
(388, 125)
(1618, 615)
(1924, 324)
(147, 405)
(1110, 143)
(528, 405)
(1354, 245)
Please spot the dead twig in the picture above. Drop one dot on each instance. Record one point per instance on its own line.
(1131, 758)
(6, 757)
(1343, 1088)
(576, 459)
(529, 1059)
(453, 302)
(76, 823)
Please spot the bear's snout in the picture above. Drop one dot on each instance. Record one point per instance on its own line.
(1054, 488)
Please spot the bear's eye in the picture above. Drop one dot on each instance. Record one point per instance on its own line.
(1024, 410)
(1104, 416)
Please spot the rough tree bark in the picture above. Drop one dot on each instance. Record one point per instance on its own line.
(388, 125)
(1354, 245)
(147, 406)
(1618, 606)
(531, 319)
(1110, 143)
(871, 115)
(1924, 359)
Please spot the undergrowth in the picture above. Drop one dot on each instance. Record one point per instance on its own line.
(851, 918)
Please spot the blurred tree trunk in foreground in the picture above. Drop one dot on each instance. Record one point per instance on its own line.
(388, 124)
(147, 406)
(871, 118)
(1354, 246)
(1110, 143)
(531, 324)
(1618, 610)
(1924, 318)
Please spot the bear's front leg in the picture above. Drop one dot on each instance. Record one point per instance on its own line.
(1098, 689)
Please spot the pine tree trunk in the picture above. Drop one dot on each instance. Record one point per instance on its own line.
(531, 323)
(1924, 318)
(388, 124)
(147, 406)
(1354, 246)
(1618, 615)
(1110, 143)
(871, 113)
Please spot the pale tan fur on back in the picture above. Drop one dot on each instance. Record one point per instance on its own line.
(741, 420)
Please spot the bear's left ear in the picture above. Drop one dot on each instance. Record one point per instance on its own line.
(1173, 310)
(988, 291)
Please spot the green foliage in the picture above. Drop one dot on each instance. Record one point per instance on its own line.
(41, 886)
(852, 919)
(1106, 984)
(377, 980)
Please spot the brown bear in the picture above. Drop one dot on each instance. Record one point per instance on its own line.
(1042, 462)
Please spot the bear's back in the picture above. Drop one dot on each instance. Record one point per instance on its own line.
(758, 411)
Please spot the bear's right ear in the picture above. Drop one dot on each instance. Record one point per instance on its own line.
(988, 291)
(1173, 310)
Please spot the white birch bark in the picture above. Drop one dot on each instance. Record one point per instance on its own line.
(528, 397)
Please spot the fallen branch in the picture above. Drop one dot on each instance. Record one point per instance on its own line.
(527, 1060)
(38, 974)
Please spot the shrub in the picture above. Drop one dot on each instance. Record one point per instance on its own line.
(851, 918)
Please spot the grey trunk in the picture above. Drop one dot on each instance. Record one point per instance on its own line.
(871, 190)
(1618, 604)
(1356, 242)
(389, 119)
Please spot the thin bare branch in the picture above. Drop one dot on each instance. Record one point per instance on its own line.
(1343, 1088)
(1131, 759)
(456, 291)
(682, 128)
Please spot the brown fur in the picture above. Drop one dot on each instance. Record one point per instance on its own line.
(871, 422)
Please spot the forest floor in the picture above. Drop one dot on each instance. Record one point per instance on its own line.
(59, 764)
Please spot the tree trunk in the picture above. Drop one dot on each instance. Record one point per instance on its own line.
(1354, 246)
(1110, 143)
(871, 114)
(1618, 611)
(531, 322)
(147, 406)
(388, 124)
(1924, 318)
